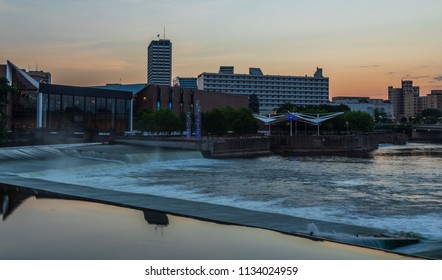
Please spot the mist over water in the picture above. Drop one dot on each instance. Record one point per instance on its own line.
(393, 189)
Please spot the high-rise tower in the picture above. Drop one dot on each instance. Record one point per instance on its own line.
(159, 62)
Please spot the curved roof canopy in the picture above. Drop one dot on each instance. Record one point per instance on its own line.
(314, 119)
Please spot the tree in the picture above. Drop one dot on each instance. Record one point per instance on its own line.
(356, 121)
(161, 121)
(244, 122)
(286, 107)
(215, 122)
(5, 88)
(430, 116)
(221, 120)
(254, 103)
(380, 117)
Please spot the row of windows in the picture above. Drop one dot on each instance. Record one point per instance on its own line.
(269, 90)
(284, 94)
(264, 81)
(260, 78)
(160, 50)
(159, 70)
(160, 47)
(260, 85)
(264, 98)
(157, 49)
(264, 106)
(159, 61)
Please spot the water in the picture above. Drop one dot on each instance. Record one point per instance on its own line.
(42, 226)
(398, 188)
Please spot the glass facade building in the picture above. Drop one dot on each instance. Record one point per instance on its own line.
(67, 108)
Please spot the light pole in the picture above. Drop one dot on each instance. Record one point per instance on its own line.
(291, 119)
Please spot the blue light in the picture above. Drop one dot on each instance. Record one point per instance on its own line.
(291, 117)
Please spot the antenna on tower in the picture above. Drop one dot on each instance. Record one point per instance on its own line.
(164, 32)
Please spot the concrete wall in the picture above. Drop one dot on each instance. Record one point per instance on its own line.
(306, 144)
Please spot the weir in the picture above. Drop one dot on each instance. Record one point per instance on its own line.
(132, 154)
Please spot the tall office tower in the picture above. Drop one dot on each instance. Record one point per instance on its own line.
(159, 62)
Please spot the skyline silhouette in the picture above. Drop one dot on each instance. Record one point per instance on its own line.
(363, 47)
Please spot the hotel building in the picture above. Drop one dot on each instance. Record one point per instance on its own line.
(404, 100)
(272, 90)
(159, 62)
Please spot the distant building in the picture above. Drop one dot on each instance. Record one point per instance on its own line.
(40, 76)
(272, 90)
(40, 104)
(365, 104)
(185, 82)
(179, 100)
(79, 109)
(159, 62)
(21, 108)
(431, 101)
(404, 100)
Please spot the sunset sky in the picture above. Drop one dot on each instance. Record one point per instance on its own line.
(362, 46)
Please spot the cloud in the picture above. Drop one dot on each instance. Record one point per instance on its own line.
(369, 66)
(415, 77)
(438, 78)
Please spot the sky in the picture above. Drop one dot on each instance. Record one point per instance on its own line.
(362, 46)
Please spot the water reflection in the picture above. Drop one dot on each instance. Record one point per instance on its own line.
(13, 197)
(43, 225)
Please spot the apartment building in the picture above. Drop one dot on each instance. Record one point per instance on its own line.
(272, 90)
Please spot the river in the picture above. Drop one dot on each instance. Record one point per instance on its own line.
(397, 188)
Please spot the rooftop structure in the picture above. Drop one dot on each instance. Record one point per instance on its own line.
(40, 76)
(185, 82)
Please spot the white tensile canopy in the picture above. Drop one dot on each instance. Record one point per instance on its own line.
(314, 119)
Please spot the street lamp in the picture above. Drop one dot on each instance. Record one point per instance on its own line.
(291, 119)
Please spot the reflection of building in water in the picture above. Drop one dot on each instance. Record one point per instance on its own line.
(156, 218)
(11, 199)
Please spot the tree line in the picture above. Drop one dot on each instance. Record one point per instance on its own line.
(217, 122)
